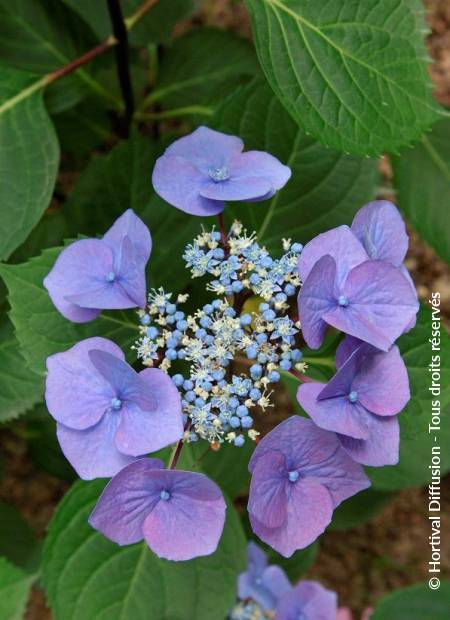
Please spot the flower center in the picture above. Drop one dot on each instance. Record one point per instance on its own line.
(218, 174)
(343, 301)
(165, 495)
(111, 276)
(293, 476)
(353, 396)
(116, 404)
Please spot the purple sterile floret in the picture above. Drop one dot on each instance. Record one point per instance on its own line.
(262, 583)
(361, 401)
(107, 413)
(307, 601)
(91, 275)
(199, 172)
(300, 473)
(342, 287)
(179, 514)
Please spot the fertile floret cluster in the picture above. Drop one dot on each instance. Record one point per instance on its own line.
(217, 401)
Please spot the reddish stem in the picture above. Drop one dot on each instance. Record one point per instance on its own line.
(176, 455)
(81, 60)
(300, 376)
(223, 234)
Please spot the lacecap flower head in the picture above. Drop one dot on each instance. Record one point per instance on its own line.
(308, 600)
(344, 287)
(107, 413)
(262, 582)
(91, 275)
(360, 401)
(200, 172)
(179, 514)
(300, 474)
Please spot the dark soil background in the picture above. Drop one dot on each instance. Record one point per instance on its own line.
(361, 564)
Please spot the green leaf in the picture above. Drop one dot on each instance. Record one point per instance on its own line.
(422, 179)
(41, 36)
(359, 509)
(17, 542)
(416, 602)
(20, 388)
(202, 67)
(43, 447)
(120, 180)
(86, 576)
(29, 157)
(353, 74)
(416, 442)
(40, 329)
(155, 27)
(326, 187)
(15, 587)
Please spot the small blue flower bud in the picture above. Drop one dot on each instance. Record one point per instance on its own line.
(245, 319)
(251, 352)
(261, 338)
(235, 422)
(207, 386)
(262, 358)
(178, 380)
(188, 385)
(189, 396)
(181, 354)
(205, 321)
(255, 394)
(274, 376)
(230, 312)
(246, 422)
(171, 354)
(233, 402)
(296, 355)
(170, 319)
(269, 315)
(171, 308)
(237, 286)
(216, 304)
(264, 307)
(199, 402)
(256, 371)
(239, 441)
(266, 262)
(172, 342)
(289, 289)
(181, 325)
(297, 247)
(152, 332)
(215, 235)
(145, 320)
(179, 315)
(285, 364)
(242, 411)
(219, 254)
(201, 333)
(280, 297)
(208, 308)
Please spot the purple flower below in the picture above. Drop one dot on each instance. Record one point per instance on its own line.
(307, 601)
(361, 401)
(91, 275)
(179, 514)
(366, 295)
(199, 172)
(300, 474)
(260, 582)
(107, 413)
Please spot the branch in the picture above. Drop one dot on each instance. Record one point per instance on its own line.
(123, 60)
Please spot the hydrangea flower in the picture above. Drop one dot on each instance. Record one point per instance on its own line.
(381, 230)
(260, 582)
(308, 600)
(179, 514)
(343, 287)
(361, 401)
(107, 413)
(91, 275)
(300, 474)
(199, 172)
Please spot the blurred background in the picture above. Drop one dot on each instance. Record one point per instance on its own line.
(362, 563)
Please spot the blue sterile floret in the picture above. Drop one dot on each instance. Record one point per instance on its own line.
(218, 401)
